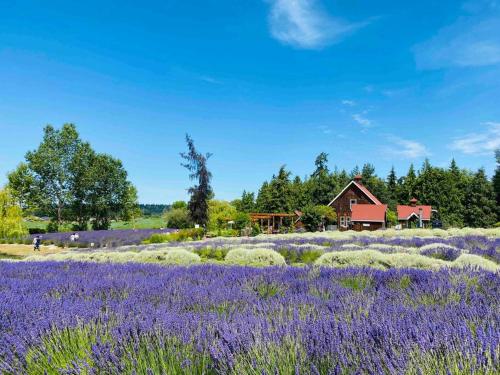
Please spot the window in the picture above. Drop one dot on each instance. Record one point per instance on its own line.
(348, 220)
(352, 201)
(342, 221)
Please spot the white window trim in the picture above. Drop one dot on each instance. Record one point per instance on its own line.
(342, 221)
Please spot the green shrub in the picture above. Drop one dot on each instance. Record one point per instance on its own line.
(192, 234)
(211, 253)
(254, 257)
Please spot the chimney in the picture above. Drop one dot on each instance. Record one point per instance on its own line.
(413, 202)
(358, 178)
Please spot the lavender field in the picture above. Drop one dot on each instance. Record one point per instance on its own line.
(414, 302)
(83, 318)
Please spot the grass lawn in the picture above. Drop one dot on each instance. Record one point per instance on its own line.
(152, 222)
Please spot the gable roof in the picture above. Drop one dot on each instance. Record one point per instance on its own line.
(368, 212)
(405, 212)
(361, 187)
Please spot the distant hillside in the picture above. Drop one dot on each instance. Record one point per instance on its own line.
(153, 209)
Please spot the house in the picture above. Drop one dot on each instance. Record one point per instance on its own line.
(414, 216)
(358, 209)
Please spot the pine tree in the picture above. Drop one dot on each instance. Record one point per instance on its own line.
(247, 202)
(408, 186)
(321, 184)
(201, 193)
(480, 204)
(452, 209)
(392, 189)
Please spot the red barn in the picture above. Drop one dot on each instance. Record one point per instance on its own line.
(414, 216)
(358, 209)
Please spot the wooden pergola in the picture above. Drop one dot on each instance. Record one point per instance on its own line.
(270, 222)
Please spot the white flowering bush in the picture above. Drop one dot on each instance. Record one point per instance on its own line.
(254, 257)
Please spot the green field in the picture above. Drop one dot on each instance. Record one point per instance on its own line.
(152, 222)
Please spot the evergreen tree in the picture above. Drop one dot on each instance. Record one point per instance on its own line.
(392, 189)
(452, 208)
(201, 193)
(247, 202)
(407, 190)
(280, 192)
(263, 198)
(301, 193)
(480, 204)
(321, 184)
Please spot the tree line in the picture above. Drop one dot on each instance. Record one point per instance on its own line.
(461, 197)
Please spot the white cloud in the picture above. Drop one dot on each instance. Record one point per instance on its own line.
(480, 143)
(469, 42)
(350, 103)
(326, 130)
(210, 79)
(362, 120)
(406, 148)
(304, 24)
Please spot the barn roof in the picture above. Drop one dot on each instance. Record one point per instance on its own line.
(361, 187)
(368, 212)
(405, 212)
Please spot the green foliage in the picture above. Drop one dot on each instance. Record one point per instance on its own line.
(246, 203)
(219, 214)
(357, 283)
(317, 217)
(11, 220)
(241, 221)
(148, 222)
(178, 218)
(254, 257)
(153, 353)
(179, 204)
(480, 203)
(277, 195)
(211, 253)
(392, 217)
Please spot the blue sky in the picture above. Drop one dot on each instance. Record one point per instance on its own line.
(259, 83)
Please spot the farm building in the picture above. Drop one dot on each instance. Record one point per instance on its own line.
(358, 209)
(414, 216)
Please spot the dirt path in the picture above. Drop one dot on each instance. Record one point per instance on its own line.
(22, 251)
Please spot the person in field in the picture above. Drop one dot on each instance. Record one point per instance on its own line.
(36, 243)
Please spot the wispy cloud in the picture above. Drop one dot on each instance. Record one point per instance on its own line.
(362, 120)
(470, 42)
(209, 79)
(326, 130)
(305, 24)
(406, 148)
(349, 103)
(479, 143)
